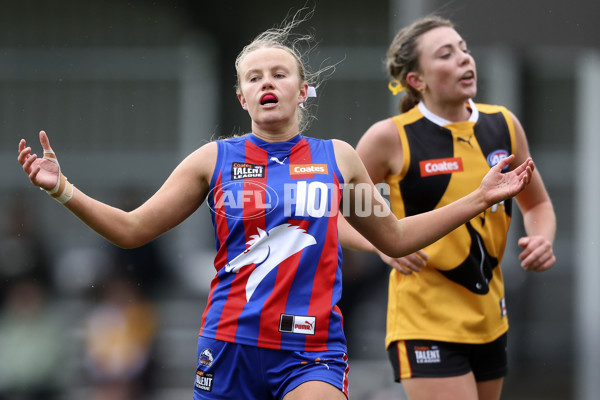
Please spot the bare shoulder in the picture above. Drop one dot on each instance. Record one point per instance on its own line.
(341, 145)
(380, 148)
(383, 137)
(382, 132)
(346, 158)
(515, 120)
(344, 152)
(207, 149)
(202, 161)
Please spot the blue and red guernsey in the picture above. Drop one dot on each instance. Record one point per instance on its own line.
(274, 208)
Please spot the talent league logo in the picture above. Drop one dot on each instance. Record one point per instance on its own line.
(242, 170)
(427, 355)
(204, 380)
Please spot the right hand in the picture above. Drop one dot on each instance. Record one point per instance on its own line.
(537, 254)
(498, 186)
(42, 172)
(408, 264)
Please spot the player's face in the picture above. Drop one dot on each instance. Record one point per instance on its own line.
(270, 88)
(447, 68)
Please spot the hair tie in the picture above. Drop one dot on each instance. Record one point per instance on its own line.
(395, 87)
(311, 92)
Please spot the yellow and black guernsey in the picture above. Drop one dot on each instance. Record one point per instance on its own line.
(459, 296)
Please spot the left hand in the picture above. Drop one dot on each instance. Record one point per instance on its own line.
(408, 264)
(537, 254)
(497, 186)
(42, 172)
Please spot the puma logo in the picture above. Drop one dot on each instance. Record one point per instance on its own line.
(468, 141)
(277, 160)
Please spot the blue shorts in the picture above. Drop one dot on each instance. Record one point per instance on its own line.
(433, 359)
(233, 371)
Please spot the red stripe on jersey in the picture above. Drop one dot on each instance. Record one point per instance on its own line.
(253, 214)
(236, 300)
(253, 219)
(269, 334)
(222, 231)
(213, 286)
(300, 154)
(322, 292)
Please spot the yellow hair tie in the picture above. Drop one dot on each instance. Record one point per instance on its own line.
(395, 87)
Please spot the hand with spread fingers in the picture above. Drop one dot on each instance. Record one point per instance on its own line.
(497, 186)
(45, 172)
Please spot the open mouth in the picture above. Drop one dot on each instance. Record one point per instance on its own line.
(268, 99)
(468, 75)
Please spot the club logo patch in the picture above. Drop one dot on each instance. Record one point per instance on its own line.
(206, 358)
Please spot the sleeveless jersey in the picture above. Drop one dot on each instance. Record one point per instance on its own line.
(274, 209)
(459, 295)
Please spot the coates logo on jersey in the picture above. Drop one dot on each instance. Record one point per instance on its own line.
(307, 169)
(441, 166)
(243, 199)
(496, 156)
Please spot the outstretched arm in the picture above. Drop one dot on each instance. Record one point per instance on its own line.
(180, 195)
(381, 150)
(397, 238)
(351, 239)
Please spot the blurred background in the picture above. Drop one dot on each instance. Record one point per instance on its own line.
(126, 89)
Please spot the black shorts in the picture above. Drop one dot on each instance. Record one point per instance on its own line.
(433, 359)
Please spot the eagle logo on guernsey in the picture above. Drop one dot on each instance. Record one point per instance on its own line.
(267, 250)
